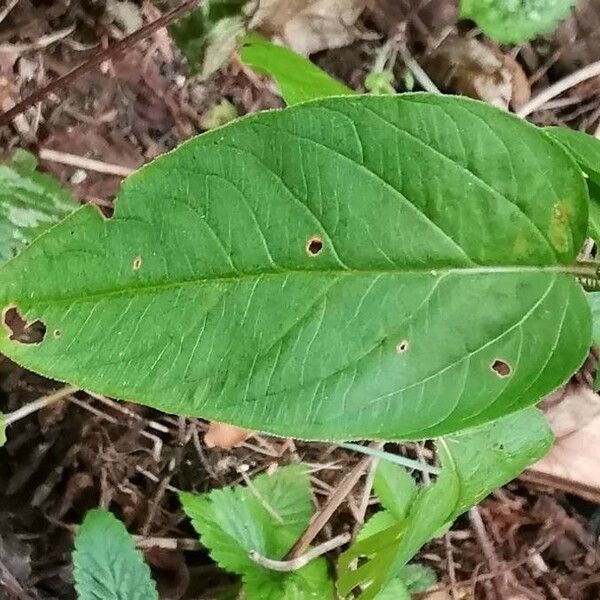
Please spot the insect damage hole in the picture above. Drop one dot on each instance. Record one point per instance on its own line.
(314, 246)
(501, 368)
(20, 330)
(137, 263)
(402, 346)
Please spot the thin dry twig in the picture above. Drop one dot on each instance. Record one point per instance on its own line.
(286, 566)
(562, 85)
(261, 499)
(451, 567)
(166, 543)
(42, 42)
(107, 54)
(6, 10)
(320, 518)
(415, 68)
(88, 164)
(488, 551)
(36, 405)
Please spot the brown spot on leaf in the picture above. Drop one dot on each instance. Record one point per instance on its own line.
(402, 346)
(314, 246)
(137, 263)
(20, 330)
(501, 368)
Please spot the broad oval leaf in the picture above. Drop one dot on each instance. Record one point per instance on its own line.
(358, 267)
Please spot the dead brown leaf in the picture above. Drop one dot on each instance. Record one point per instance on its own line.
(573, 464)
(222, 435)
(309, 26)
(479, 70)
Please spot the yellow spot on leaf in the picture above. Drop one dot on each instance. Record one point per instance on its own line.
(559, 230)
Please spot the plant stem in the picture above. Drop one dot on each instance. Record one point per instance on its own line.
(409, 463)
(286, 566)
(36, 405)
(109, 53)
(584, 268)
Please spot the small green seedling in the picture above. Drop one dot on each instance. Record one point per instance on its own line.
(240, 525)
(106, 565)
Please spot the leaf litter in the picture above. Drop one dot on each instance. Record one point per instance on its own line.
(87, 451)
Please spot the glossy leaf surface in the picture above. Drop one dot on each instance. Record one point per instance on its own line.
(350, 268)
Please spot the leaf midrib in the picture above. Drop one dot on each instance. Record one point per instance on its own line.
(254, 275)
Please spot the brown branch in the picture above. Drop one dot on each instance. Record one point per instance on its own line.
(321, 517)
(109, 53)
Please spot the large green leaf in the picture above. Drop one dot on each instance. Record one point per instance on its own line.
(585, 148)
(594, 301)
(475, 462)
(358, 267)
(106, 565)
(586, 151)
(268, 519)
(30, 202)
(298, 79)
(514, 21)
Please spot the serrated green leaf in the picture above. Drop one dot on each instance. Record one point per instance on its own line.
(208, 35)
(368, 267)
(312, 582)
(106, 565)
(515, 21)
(586, 151)
(474, 462)
(298, 79)
(30, 202)
(395, 488)
(232, 522)
(2, 429)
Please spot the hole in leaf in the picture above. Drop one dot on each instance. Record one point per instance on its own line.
(314, 246)
(20, 330)
(137, 263)
(57, 333)
(402, 346)
(501, 368)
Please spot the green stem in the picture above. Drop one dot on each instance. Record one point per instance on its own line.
(409, 463)
(585, 268)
